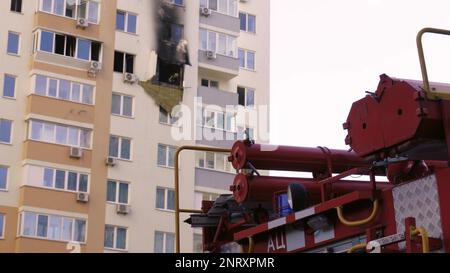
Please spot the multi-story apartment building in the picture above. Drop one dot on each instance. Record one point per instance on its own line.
(86, 142)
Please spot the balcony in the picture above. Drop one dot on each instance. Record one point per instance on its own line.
(220, 66)
(220, 20)
(215, 136)
(213, 179)
(217, 97)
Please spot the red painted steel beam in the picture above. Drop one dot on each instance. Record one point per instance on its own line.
(288, 158)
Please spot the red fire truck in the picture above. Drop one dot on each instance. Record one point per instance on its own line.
(401, 131)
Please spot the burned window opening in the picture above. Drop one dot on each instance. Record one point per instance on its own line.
(95, 51)
(171, 74)
(123, 62)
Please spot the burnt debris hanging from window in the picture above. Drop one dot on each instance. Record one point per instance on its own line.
(166, 86)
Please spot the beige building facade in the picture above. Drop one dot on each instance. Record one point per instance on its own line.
(86, 151)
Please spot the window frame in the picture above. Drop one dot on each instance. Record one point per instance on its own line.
(119, 147)
(216, 49)
(167, 153)
(165, 198)
(16, 6)
(10, 131)
(66, 180)
(114, 247)
(226, 122)
(246, 91)
(68, 127)
(246, 52)
(164, 241)
(227, 7)
(227, 167)
(14, 87)
(21, 228)
(76, 16)
(58, 80)
(7, 168)
(38, 47)
(247, 15)
(173, 2)
(2, 226)
(125, 25)
(121, 105)
(117, 186)
(209, 83)
(124, 62)
(19, 41)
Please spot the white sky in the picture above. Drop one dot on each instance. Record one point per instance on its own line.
(326, 53)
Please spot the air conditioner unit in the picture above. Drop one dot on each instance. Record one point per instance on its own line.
(130, 78)
(95, 66)
(111, 161)
(210, 54)
(76, 152)
(82, 197)
(82, 23)
(122, 209)
(205, 11)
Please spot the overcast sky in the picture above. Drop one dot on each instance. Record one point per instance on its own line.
(326, 53)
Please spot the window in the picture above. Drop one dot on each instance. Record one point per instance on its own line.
(166, 156)
(69, 46)
(126, 21)
(218, 42)
(5, 131)
(13, 43)
(57, 179)
(117, 192)
(246, 59)
(213, 161)
(9, 86)
(246, 96)
(123, 62)
(3, 178)
(120, 147)
(122, 105)
(59, 134)
(176, 2)
(198, 243)
(72, 9)
(165, 118)
(164, 242)
(165, 199)
(52, 227)
(246, 133)
(228, 7)
(203, 196)
(172, 32)
(115, 237)
(2, 226)
(247, 22)
(16, 6)
(63, 89)
(217, 120)
(210, 83)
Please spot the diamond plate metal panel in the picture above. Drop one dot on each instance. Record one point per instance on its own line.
(418, 199)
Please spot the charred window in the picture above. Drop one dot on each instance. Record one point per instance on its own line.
(95, 51)
(123, 62)
(172, 32)
(170, 73)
